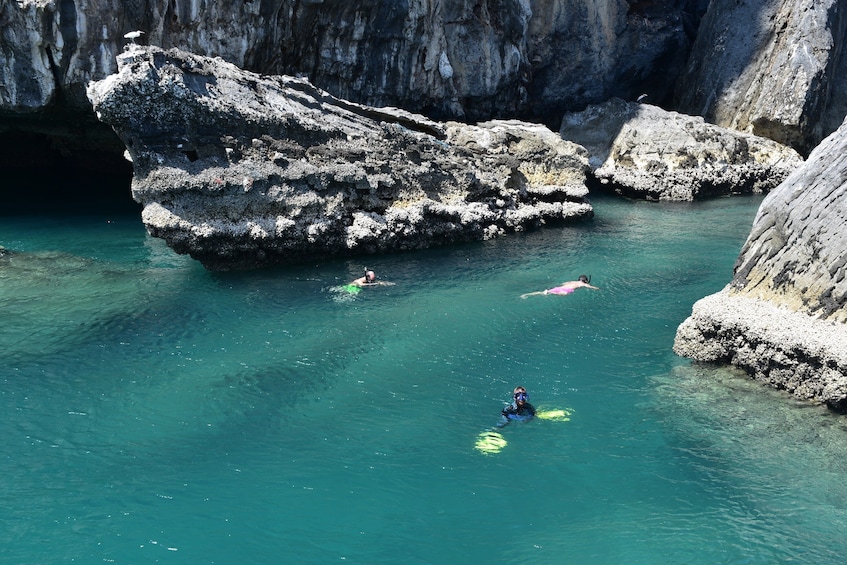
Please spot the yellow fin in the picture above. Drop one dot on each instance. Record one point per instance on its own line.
(490, 442)
(558, 415)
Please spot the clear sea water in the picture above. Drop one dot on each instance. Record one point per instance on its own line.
(154, 412)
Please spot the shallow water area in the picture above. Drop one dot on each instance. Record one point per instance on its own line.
(154, 412)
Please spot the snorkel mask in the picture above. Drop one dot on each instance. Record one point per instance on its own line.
(521, 396)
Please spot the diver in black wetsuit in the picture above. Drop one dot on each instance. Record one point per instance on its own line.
(520, 409)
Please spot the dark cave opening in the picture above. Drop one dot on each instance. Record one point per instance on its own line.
(72, 166)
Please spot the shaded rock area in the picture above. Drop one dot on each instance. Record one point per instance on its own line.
(462, 60)
(459, 59)
(783, 316)
(241, 170)
(642, 151)
(777, 69)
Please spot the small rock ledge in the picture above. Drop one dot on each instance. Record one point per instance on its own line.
(644, 152)
(785, 349)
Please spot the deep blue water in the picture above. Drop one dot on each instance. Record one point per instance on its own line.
(153, 412)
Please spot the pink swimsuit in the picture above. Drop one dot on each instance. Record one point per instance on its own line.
(560, 290)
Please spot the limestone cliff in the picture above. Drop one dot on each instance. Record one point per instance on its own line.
(783, 316)
(241, 170)
(470, 60)
(775, 69)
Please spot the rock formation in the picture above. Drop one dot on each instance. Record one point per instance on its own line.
(776, 69)
(241, 170)
(453, 59)
(783, 316)
(465, 60)
(641, 151)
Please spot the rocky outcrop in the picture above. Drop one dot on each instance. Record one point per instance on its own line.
(241, 170)
(783, 316)
(776, 69)
(465, 60)
(641, 151)
(459, 59)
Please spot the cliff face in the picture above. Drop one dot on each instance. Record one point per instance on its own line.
(795, 254)
(775, 69)
(769, 68)
(783, 316)
(465, 59)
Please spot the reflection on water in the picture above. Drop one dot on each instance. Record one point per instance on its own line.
(157, 412)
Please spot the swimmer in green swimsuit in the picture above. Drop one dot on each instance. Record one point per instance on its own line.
(369, 280)
(565, 287)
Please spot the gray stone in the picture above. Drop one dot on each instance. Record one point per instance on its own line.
(641, 151)
(241, 170)
(782, 348)
(775, 69)
(451, 60)
(782, 318)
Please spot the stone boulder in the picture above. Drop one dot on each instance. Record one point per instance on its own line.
(641, 151)
(783, 316)
(241, 170)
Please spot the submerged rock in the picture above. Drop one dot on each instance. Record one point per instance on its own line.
(783, 318)
(241, 170)
(642, 151)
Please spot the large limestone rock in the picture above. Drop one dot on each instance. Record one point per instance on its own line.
(783, 316)
(775, 69)
(641, 151)
(241, 170)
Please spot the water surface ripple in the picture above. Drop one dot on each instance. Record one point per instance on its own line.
(154, 412)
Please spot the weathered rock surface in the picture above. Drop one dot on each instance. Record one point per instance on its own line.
(641, 151)
(241, 170)
(458, 59)
(775, 69)
(783, 316)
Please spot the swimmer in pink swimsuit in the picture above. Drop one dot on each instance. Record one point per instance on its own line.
(566, 287)
(560, 290)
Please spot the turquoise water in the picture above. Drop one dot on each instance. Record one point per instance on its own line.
(153, 412)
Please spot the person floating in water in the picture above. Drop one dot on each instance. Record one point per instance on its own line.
(565, 287)
(520, 409)
(369, 280)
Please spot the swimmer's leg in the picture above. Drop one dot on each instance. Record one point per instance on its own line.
(533, 293)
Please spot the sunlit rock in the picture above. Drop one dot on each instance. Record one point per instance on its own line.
(783, 316)
(642, 151)
(241, 170)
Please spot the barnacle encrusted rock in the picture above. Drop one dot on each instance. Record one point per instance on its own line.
(241, 170)
(642, 151)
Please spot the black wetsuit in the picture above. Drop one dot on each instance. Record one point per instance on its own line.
(515, 411)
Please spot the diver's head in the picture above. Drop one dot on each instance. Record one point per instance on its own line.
(370, 276)
(520, 395)
(585, 279)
